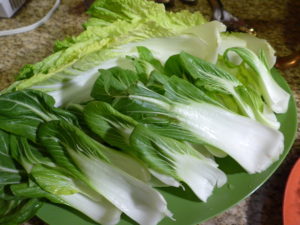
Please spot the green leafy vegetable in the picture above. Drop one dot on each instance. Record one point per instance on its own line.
(77, 60)
(158, 114)
(23, 111)
(19, 211)
(131, 10)
(109, 83)
(244, 40)
(205, 120)
(13, 209)
(114, 32)
(72, 192)
(184, 162)
(56, 184)
(90, 162)
(101, 118)
(210, 77)
(116, 128)
(161, 154)
(10, 173)
(276, 98)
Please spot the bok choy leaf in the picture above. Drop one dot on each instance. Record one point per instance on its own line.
(18, 211)
(13, 209)
(10, 172)
(22, 112)
(251, 144)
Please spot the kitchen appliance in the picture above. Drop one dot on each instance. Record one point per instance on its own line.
(9, 7)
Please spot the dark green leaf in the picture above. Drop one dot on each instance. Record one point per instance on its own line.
(32, 190)
(9, 171)
(182, 91)
(145, 64)
(144, 146)
(61, 138)
(112, 126)
(20, 212)
(54, 181)
(22, 112)
(113, 83)
(207, 75)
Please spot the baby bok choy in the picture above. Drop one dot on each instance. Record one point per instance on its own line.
(51, 182)
(71, 168)
(208, 76)
(276, 97)
(161, 154)
(18, 211)
(116, 128)
(90, 162)
(21, 146)
(172, 102)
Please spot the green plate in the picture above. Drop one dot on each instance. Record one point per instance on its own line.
(184, 204)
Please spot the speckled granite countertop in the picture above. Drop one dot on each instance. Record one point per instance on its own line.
(276, 21)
